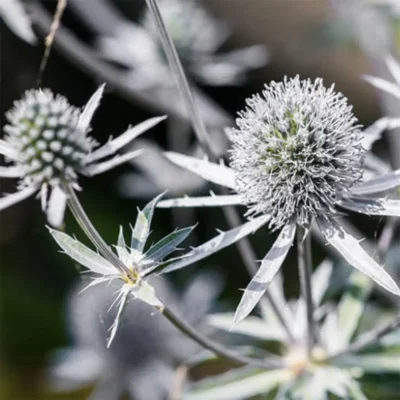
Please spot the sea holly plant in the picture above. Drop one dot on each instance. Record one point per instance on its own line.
(48, 144)
(296, 158)
(343, 358)
(138, 262)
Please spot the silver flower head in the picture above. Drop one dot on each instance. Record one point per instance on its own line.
(42, 131)
(48, 143)
(296, 152)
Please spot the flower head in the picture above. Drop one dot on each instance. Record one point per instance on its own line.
(42, 131)
(297, 151)
(47, 141)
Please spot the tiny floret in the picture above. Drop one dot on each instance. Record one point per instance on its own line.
(297, 151)
(41, 127)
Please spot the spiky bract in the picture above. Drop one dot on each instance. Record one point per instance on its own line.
(297, 151)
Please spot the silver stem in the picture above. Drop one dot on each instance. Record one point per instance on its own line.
(304, 264)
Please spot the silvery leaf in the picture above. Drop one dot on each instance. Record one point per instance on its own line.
(269, 267)
(11, 199)
(384, 85)
(238, 385)
(219, 174)
(382, 183)
(146, 293)
(99, 168)
(383, 207)
(15, 16)
(374, 132)
(122, 140)
(355, 255)
(89, 109)
(351, 305)
(10, 172)
(393, 67)
(122, 303)
(207, 201)
(252, 326)
(141, 230)
(221, 241)
(167, 245)
(320, 280)
(372, 362)
(83, 255)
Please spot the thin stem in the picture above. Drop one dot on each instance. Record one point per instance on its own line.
(304, 264)
(180, 76)
(245, 249)
(369, 338)
(216, 348)
(86, 225)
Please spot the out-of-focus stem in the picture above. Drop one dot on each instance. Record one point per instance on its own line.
(305, 272)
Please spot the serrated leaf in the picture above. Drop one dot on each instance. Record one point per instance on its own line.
(123, 301)
(216, 244)
(83, 255)
(146, 293)
(206, 201)
(383, 207)
(372, 363)
(268, 269)
(355, 255)
(89, 109)
(238, 385)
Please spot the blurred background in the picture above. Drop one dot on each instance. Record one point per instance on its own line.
(313, 38)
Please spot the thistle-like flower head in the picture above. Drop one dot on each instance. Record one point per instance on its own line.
(48, 143)
(42, 130)
(296, 152)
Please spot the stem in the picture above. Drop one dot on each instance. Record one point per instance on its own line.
(369, 338)
(84, 222)
(217, 348)
(180, 76)
(245, 249)
(304, 264)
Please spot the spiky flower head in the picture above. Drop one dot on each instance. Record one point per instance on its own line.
(193, 30)
(43, 132)
(297, 151)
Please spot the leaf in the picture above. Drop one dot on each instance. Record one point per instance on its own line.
(320, 280)
(382, 183)
(83, 255)
(352, 304)
(96, 169)
(216, 244)
(374, 132)
(252, 326)
(385, 207)
(219, 174)
(384, 85)
(141, 230)
(89, 109)
(122, 140)
(206, 201)
(123, 302)
(166, 246)
(269, 267)
(393, 67)
(143, 291)
(238, 384)
(11, 199)
(372, 363)
(355, 255)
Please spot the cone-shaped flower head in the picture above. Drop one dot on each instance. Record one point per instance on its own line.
(43, 132)
(296, 152)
